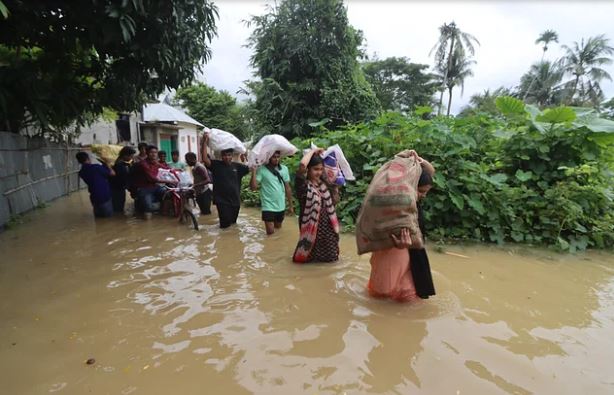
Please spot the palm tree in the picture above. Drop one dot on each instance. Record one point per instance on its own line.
(542, 84)
(454, 75)
(485, 101)
(546, 38)
(583, 61)
(451, 41)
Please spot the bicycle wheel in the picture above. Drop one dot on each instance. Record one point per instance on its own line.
(189, 216)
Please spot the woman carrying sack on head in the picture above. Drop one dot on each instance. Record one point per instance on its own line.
(319, 226)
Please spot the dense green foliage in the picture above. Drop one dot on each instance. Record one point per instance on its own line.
(399, 84)
(63, 61)
(485, 102)
(524, 176)
(305, 54)
(212, 108)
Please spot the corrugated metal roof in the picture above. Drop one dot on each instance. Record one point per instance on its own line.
(160, 112)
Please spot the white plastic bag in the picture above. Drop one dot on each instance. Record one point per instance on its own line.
(266, 147)
(185, 179)
(336, 166)
(343, 164)
(220, 140)
(166, 175)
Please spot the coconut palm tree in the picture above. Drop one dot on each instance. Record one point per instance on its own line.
(485, 101)
(451, 41)
(584, 63)
(455, 74)
(545, 38)
(542, 84)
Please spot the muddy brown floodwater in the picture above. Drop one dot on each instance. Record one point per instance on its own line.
(157, 308)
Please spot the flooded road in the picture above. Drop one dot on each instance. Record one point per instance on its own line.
(167, 310)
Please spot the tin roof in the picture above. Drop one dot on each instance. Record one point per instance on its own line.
(160, 112)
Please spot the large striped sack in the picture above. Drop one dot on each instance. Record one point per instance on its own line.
(390, 205)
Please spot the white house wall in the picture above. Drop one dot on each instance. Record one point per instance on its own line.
(187, 140)
(105, 132)
(100, 132)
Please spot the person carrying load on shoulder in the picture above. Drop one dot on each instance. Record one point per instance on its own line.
(227, 177)
(319, 226)
(391, 226)
(96, 177)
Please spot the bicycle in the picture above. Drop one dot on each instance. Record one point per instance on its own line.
(175, 203)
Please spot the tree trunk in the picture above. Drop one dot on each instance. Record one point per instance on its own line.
(573, 90)
(440, 102)
(445, 74)
(533, 80)
(449, 99)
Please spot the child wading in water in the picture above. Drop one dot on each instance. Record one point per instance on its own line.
(402, 273)
(319, 226)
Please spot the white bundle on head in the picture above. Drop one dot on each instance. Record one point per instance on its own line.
(335, 162)
(343, 164)
(220, 140)
(266, 147)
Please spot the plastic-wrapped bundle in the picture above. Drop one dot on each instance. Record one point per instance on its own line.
(342, 163)
(336, 167)
(220, 140)
(266, 147)
(167, 176)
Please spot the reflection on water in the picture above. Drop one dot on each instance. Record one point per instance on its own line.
(167, 310)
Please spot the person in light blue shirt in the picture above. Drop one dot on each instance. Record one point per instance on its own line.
(175, 163)
(274, 181)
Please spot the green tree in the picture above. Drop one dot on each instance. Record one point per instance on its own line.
(451, 46)
(399, 84)
(607, 109)
(584, 63)
(545, 38)
(62, 61)
(212, 108)
(542, 84)
(485, 102)
(455, 74)
(305, 54)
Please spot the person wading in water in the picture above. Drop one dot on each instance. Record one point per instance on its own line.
(319, 226)
(274, 181)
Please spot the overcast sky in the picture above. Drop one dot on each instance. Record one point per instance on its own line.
(506, 30)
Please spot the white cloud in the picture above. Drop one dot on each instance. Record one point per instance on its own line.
(506, 31)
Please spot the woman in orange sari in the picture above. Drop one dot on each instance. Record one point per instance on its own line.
(401, 273)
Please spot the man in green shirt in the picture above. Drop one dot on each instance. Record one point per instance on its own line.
(176, 163)
(274, 181)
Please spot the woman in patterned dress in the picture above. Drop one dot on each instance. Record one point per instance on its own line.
(319, 226)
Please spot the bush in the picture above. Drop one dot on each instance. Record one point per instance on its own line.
(527, 176)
